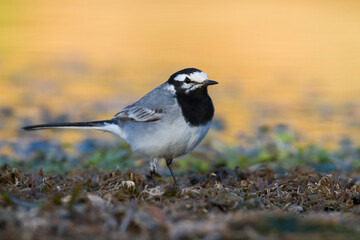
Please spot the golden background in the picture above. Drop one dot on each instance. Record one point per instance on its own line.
(292, 62)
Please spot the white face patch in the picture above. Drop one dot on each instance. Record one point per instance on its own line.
(198, 77)
(190, 87)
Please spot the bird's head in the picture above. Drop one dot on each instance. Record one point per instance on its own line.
(189, 80)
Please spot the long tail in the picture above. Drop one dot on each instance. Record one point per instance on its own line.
(106, 125)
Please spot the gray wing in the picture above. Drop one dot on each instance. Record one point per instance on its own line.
(140, 114)
(152, 107)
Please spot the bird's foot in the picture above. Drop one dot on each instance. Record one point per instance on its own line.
(168, 163)
(152, 176)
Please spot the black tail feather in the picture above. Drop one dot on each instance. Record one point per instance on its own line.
(73, 124)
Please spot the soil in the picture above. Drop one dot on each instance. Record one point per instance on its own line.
(225, 204)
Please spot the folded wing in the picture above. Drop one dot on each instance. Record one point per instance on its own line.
(140, 114)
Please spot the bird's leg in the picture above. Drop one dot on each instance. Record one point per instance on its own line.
(153, 176)
(153, 171)
(168, 163)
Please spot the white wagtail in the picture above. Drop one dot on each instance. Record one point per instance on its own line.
(168, 122)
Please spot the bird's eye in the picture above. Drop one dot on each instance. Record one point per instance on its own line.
(187, 80)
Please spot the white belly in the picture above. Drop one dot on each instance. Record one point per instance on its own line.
(170, 141)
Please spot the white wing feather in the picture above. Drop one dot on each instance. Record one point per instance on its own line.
(140, 114)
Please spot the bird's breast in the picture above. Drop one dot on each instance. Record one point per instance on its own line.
(167, 139)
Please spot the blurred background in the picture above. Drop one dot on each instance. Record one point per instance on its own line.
(291, 62)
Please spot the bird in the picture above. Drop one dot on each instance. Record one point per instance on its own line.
(168, 122)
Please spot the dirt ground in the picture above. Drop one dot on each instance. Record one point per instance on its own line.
(225, 204)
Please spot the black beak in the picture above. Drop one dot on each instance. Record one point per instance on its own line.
(210, 82)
